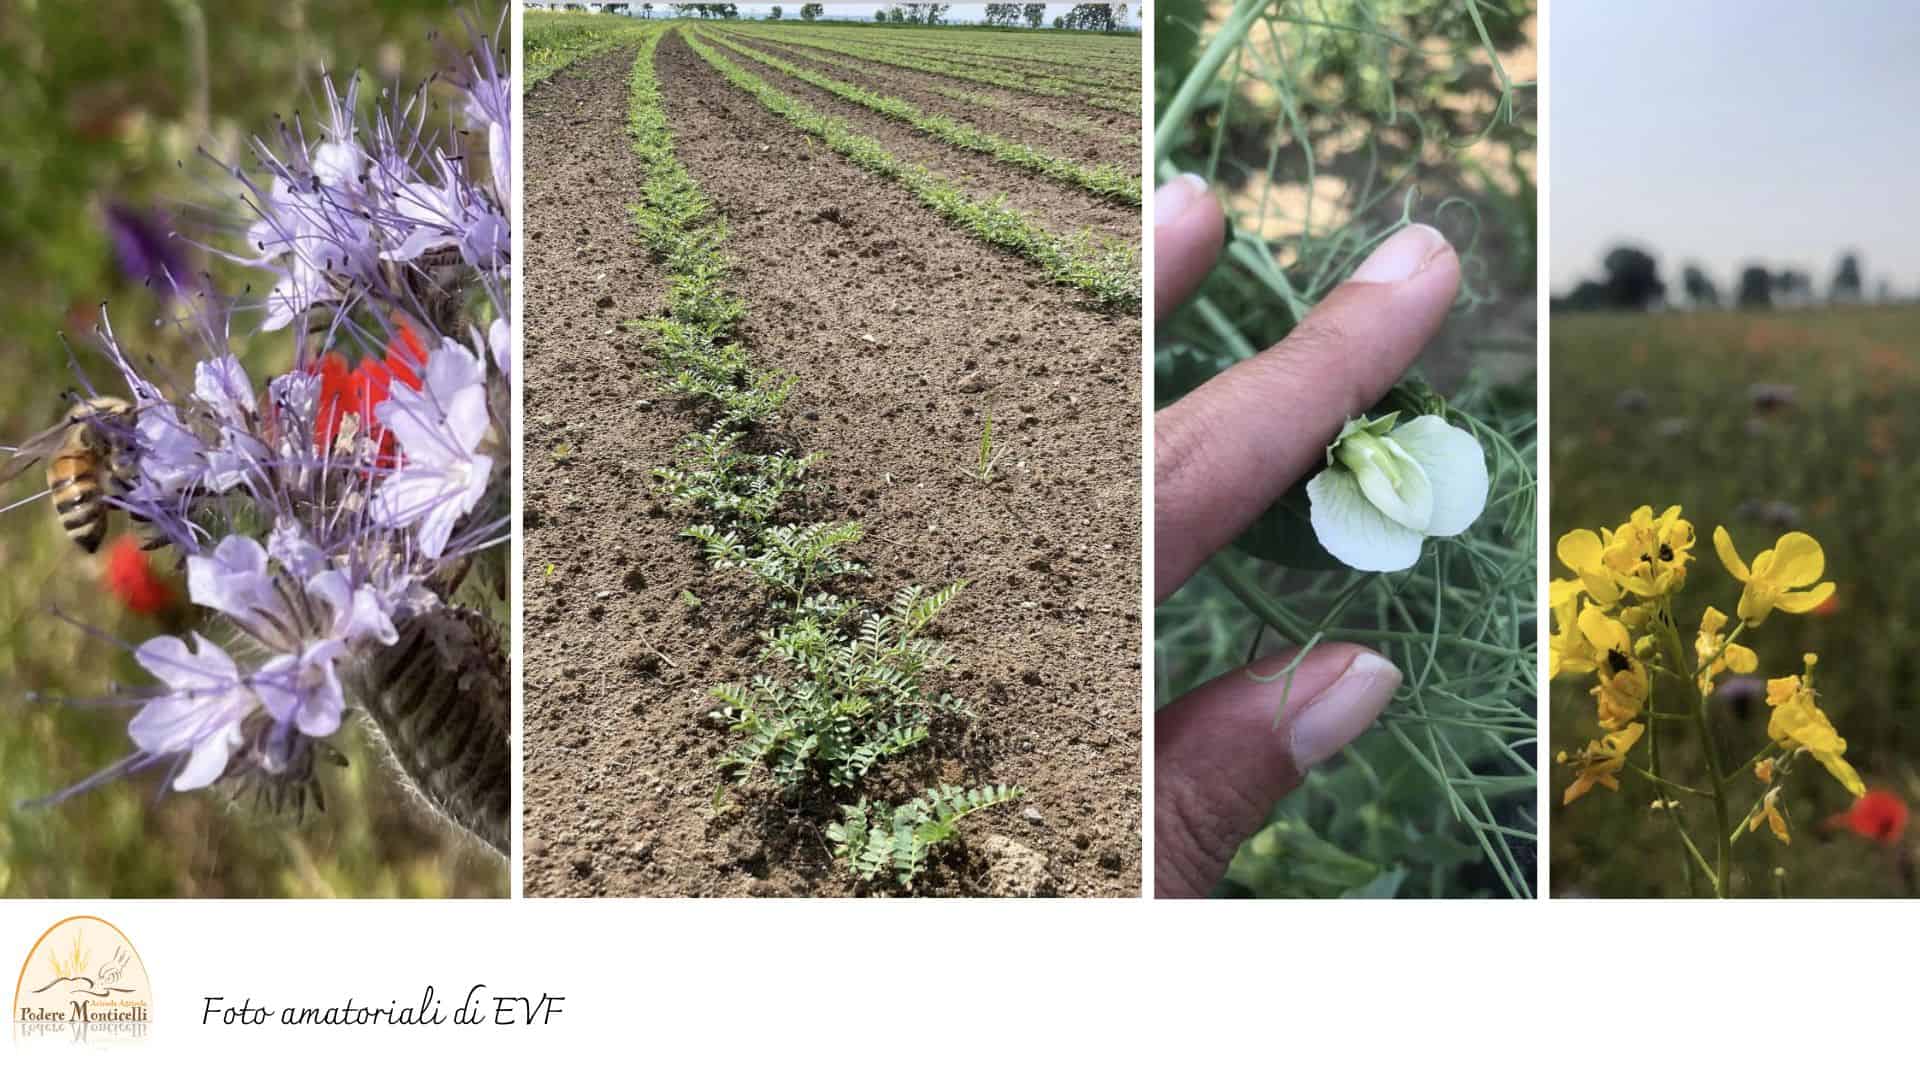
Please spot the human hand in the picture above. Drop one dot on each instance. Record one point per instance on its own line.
(1222, 455)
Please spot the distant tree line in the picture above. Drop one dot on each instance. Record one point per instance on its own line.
(914, 14)
(1630, 281)
(1034, 15)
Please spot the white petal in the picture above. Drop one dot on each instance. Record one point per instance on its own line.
(1405, 495)
(1353, 530)
(164, 725)
(451, 369)
(467, 421)
(437, 527)
(209, 760)
(1456, 467)
(408, 494)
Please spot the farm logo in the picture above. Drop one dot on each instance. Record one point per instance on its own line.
(84, 982)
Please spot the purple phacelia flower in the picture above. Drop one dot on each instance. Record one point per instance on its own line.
(440, 428)
(200, 716)
(322, 519)
(146, 249)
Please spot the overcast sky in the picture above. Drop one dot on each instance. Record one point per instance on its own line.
(1725, 131)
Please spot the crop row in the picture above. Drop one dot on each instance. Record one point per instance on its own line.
(984, 100)
(1105, 270)
(552, 41)
(1113, 71)
(1076, 77)
(1102, 98)
(1050, 50)
(1054, 43)
(1105, 180)
(1099, 92)
(847, 688)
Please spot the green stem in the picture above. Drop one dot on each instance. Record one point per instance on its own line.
(1669, 786)
(1765, 752)
(1679, 826)
(1676, 656)
(1232, 33)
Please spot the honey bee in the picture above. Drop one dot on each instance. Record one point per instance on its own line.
(85, 462)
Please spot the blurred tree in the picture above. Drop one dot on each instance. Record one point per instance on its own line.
(1847, 287)
(774, 15)
(880, 15)
(811, 12)
(1035, 14)
(1633, 279)
(1003, 15)
(1090, 17)
(1586, 296)
(1756, 288)
(1701, 292)
(1792, 288)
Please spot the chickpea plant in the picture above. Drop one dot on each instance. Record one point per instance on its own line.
(849, 689)
(1618, 621)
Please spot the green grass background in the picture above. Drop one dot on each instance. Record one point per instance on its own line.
(1846, 459)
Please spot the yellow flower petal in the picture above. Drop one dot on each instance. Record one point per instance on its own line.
(1729, 558)
(1712, 620)
(1799, 603)
(1797, 561)
(1780, 691)
(1842, 772)
(1581, 551)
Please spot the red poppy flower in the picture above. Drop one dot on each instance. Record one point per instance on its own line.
(358, 390)
(1879, 815)
(131, 577)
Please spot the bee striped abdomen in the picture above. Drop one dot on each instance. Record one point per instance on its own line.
(75, 484)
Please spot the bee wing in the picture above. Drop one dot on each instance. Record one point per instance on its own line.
(34, 450)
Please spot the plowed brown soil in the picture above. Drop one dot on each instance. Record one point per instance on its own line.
(902, 332)
(1101, 138)
(1056, 206)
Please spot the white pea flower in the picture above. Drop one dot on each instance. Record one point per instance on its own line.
(1386, 489)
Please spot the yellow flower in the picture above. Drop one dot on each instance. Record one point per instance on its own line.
(1580, 550)
(1799, 723)
(1568, 651)
(1716, 653)
(1770, 814)
(1794, 562)
(1648, 555)
(1622, 679)
(1638, 616)
(1763, 770)
(1600, 762)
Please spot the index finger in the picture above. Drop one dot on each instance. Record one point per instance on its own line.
(1226, 451)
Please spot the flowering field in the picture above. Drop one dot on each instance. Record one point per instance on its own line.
(279, 417)
(833, 505)
(1793, 432)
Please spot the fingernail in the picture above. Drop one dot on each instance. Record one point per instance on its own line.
(1405, 254)
(1343, 710)
(1175, 196)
